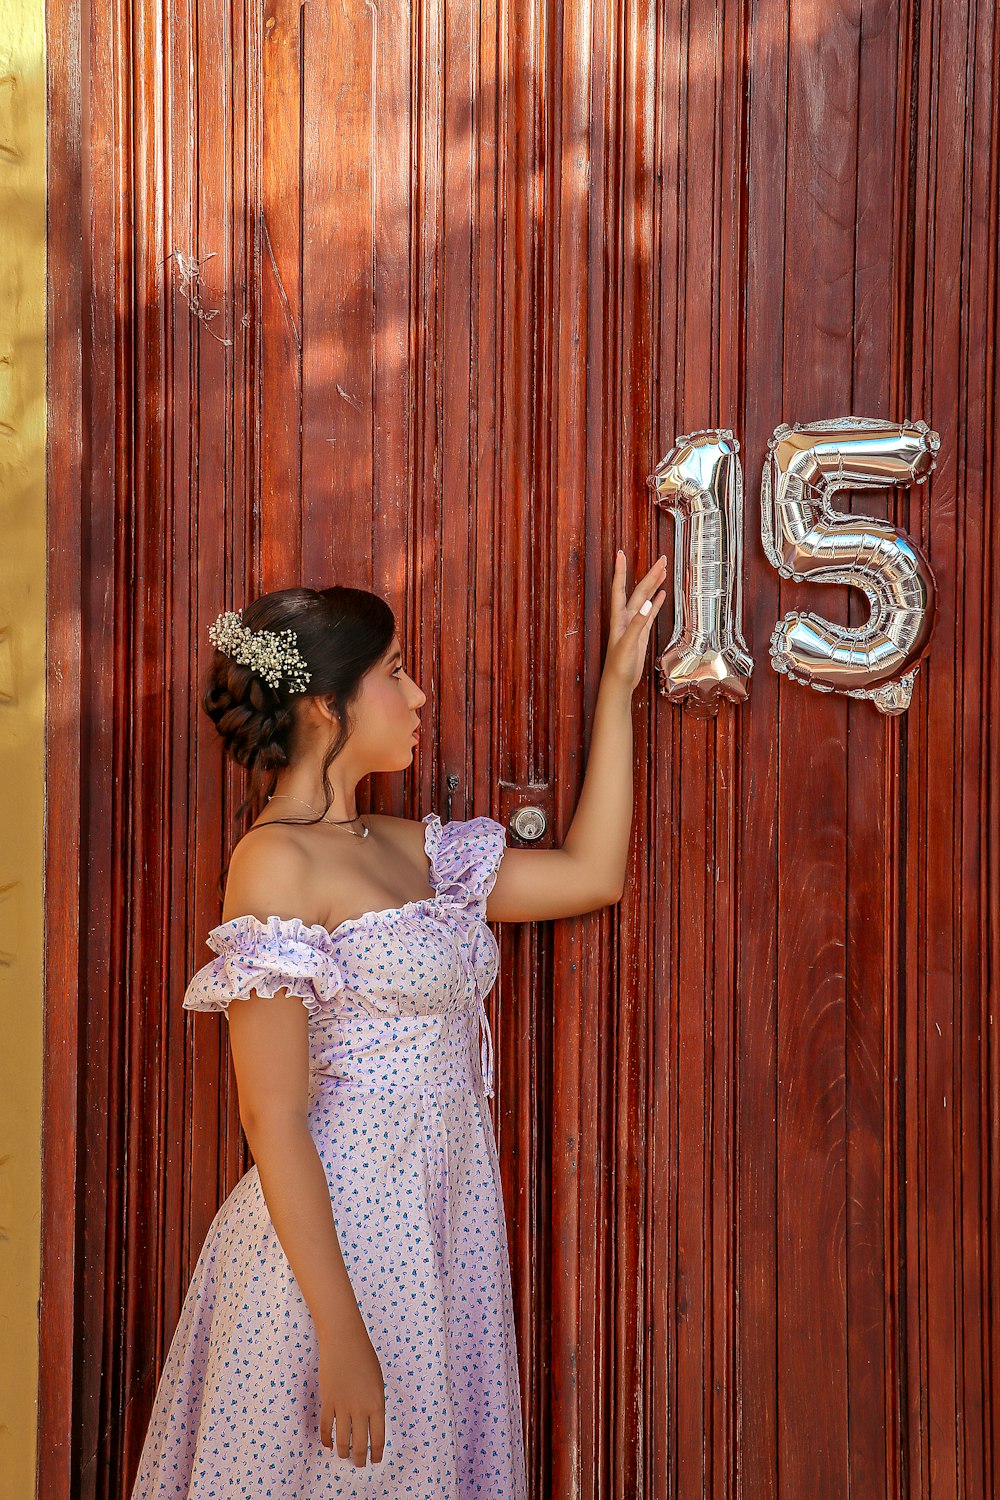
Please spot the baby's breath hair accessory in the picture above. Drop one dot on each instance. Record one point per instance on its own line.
(269, 653)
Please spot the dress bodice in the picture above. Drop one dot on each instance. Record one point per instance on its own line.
(394, 995)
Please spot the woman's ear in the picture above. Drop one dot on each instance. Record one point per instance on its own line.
(324, 705)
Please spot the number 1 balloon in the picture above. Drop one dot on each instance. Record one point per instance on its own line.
(700, 482)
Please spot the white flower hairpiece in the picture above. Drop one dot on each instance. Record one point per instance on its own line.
(271, 654)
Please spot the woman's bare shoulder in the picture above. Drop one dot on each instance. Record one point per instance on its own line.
(408, 830)
(270, 875)
(278, 869)
(272, 836)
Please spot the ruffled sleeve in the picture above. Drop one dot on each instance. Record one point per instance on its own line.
(281, 953)
(465, 857)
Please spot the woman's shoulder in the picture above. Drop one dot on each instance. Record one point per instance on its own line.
(278, 869)
(270, 873)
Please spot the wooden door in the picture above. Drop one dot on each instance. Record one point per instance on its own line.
(414, 297)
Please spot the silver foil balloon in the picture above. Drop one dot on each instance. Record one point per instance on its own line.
(804, 537)
(700, 482)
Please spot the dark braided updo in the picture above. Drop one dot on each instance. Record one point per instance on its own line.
(341, 633)
(254, 720)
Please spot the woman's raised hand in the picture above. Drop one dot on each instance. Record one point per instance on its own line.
(631, 622)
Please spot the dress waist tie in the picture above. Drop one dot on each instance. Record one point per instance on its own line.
(486, 1055)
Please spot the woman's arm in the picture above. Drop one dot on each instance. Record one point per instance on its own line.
(269, 1044)
(297, 1194)
(588, 871)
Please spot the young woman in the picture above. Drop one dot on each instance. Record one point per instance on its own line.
(353, 1294)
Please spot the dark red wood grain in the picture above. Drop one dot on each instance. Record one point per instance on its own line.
(414, 298)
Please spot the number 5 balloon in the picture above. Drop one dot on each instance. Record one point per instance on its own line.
(804, 537)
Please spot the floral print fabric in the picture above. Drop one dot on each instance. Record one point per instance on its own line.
(401, 1065)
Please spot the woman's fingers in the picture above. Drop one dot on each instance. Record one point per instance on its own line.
(344, 1434)
(618, 583)
(354, 1434)
(359, 1439)
(646, 586)
(648, 611)
(376, 1423)
(353, 1437)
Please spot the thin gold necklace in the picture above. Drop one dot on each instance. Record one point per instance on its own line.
(333, 822)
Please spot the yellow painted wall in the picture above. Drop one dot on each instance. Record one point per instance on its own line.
(22, 710)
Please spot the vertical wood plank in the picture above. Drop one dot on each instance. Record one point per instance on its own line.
(278, 311)
(338, 307)
(812, 1253)
(759, 1396)
(873, 825)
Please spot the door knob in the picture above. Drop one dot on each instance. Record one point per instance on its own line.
(530, 823)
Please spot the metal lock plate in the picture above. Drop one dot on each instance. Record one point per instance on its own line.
(530, 823)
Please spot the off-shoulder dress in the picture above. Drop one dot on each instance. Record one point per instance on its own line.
(399, 1078)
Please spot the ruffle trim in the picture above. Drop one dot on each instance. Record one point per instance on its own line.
(281, 953)
(465, 858)
(285, 953)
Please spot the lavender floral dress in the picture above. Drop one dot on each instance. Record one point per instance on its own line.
(397, 1108)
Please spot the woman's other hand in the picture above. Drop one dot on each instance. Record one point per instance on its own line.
(352, 1392)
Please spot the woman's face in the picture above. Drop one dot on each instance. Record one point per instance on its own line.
(386, 713)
